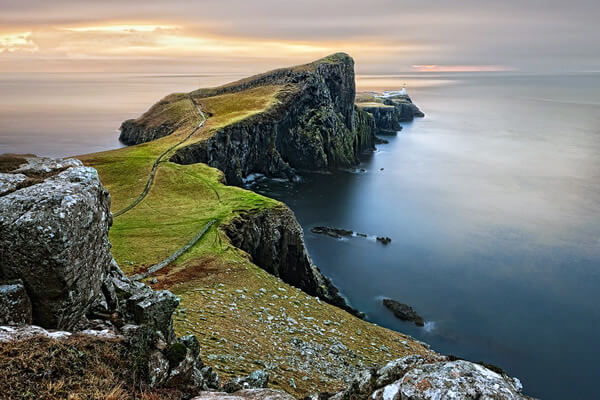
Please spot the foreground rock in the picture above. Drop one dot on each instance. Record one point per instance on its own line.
(415, 378)
(55, 249)
(403, 311)
(251, 394)
(55, 238)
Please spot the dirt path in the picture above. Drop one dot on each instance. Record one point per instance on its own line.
(150, 181)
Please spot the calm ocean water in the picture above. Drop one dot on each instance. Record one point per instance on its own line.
(492, 202)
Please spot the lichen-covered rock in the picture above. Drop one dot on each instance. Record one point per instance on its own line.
(457, 379)
(417, 378)
(249, 394)
(158, 369)
(154, 309)
(65, 218)
(256, 380)
(15, 307)
(11, 182)
(275, 241)
(396, 369)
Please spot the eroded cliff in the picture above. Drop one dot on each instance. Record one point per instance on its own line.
(312, 125)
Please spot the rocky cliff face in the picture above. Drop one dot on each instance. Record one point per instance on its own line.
(389, 112)
(275, 241)
(315, 126)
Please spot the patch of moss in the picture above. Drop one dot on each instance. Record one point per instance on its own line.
(176, 353)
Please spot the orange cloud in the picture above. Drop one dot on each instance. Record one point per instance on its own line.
(461, 68)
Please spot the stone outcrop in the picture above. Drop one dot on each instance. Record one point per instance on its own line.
(389, 111)
(249, 394)
(256, 380)
(15, 306)
(55, 250)
(275, 241)
(415, 378)
(54, 237)
(314, 125)
(386, 117)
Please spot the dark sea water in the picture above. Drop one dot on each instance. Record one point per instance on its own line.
(492, 202)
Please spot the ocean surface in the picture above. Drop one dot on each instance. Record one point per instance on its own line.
(492, 202)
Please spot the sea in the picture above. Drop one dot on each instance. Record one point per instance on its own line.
(492, 202)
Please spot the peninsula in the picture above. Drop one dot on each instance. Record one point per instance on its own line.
(202, 266)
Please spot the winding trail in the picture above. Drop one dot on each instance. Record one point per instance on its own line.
(156, 267)
(150, 181)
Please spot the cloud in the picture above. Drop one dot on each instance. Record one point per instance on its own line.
(384, 35)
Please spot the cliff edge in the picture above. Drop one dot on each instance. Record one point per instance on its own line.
(312, 124)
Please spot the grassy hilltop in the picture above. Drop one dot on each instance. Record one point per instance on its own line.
(244, 317)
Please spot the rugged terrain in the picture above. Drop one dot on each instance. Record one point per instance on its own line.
(231, 298)
(246, 289)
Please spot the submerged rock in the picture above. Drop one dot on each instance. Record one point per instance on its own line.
(404, 311)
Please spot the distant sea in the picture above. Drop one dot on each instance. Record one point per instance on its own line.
(492, 202)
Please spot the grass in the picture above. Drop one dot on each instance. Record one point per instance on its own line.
(80, 367)
(213, 275)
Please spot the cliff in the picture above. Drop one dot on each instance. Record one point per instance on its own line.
(275, 241)
(388, 110)
(312, 125)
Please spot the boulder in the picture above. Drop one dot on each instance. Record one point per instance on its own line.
(256, 380)
(65, 214)
(416, 378)
(249, 394)
(15, 307)
(456, 379)
(403, 311)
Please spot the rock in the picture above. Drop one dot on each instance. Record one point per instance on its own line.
(158, 369)
(256, 380)
(404, 311)
(154, 309)
(249, 394)
(416, 378)
(11, 182)
(65, 217)
(396, 369)
(15, 307)
(24, 332)
(456, 379)
(387, 118)
(333, 232)
(384, 239)
(275, 241)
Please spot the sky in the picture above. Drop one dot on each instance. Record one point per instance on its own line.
(384, 36)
